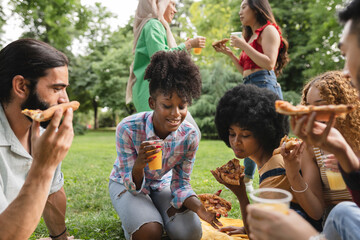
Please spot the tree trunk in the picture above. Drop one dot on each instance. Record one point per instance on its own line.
(95, 106)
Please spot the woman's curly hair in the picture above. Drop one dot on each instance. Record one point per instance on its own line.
(174, 71)
(335, 88)
(251, 108)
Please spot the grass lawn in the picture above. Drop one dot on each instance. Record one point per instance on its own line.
(90, 214)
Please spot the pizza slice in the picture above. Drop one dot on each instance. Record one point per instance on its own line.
(231, 171)
(222, 41)
(323, 112)
(215, 204)
(45, 115)
(290, 144)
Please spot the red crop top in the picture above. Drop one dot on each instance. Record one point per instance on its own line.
(245, 61)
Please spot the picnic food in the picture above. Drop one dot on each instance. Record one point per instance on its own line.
(323, 112)
(45, 115)
(215, 204)
(290, 144)
(222, 41)
(231, 171)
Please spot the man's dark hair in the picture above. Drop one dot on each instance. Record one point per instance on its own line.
(174, 71)
(29, 58)
(251, 108)
(352, 12)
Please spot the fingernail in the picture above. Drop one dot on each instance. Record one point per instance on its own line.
(158, 146)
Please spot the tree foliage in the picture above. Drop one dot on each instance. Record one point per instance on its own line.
(56, 22)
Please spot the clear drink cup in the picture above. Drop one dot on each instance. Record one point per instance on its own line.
(272, 199)
(335, 179)
(156, 163)
(238, 34)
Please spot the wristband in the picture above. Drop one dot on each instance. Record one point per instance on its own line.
(54, 237)
(301, 191)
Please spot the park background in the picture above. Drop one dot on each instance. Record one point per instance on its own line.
(99, 70)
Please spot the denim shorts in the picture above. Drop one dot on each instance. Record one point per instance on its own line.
(264, 79)
(137, 210)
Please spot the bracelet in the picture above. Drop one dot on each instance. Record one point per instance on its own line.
(319, 236)
(59, 234)
(301, 191)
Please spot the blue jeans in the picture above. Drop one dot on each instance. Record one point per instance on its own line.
(262, 79)
(343, 222)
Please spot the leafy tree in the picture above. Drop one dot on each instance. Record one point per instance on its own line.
(56, 22)
(217, 79)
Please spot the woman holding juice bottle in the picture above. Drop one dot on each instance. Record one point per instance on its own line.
(312, 186)
(152, 33)
(263, 56)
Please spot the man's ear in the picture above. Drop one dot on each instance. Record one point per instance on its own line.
(152, 103)
(20, 86)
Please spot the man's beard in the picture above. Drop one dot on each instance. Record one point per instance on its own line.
(34, 102)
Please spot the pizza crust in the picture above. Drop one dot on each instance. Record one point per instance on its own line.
(42, 116)
(222, 41)
(323, 112)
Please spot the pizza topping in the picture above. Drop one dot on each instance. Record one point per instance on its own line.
(215, 204)
(290, 143)
(231, 172)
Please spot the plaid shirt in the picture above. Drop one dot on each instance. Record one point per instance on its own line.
(179, 152)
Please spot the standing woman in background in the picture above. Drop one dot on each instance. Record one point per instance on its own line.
(263, 56)
(151, 34)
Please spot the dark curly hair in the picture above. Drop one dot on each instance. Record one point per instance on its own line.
(251, 108)
(336, 89)
(174, 71)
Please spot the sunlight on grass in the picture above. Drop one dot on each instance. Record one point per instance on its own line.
(90, 214)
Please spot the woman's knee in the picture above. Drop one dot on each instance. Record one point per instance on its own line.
(190, 229)
(148, 231)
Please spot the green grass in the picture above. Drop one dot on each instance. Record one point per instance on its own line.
(90, 214)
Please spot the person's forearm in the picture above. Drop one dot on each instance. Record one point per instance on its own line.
(244, 201)
(311, 204)
(192, 203)
(137, 175)
(21, 217)
(259, 58)
(348, 161)
(54, 214)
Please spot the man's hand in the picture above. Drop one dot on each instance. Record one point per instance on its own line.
(49, 149)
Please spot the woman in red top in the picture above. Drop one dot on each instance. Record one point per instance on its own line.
(264, 54)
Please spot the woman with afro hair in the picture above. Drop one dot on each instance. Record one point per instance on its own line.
(149, 201)
(247, 122)
(312, 187)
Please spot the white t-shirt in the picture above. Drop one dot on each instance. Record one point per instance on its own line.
(15, 163)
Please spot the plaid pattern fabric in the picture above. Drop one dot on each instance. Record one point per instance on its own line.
(179, 152)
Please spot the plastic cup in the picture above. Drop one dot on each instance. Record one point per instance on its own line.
(238, 34)
(272, 199)
(156, 163)
(336, 181)
(197, 51)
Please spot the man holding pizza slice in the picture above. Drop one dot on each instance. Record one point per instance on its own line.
(33, 75)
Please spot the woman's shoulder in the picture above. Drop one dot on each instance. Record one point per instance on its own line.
(153, 22)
